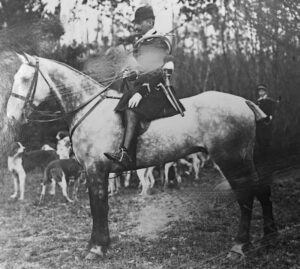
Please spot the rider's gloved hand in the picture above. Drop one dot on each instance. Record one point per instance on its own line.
(130, 74)
(134, 100)
(168, 68)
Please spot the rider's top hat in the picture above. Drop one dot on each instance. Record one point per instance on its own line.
(261, 87)
(143, 13)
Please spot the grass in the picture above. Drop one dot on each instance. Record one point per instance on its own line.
(55, 234)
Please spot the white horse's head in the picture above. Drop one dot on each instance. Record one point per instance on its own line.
(23, 86)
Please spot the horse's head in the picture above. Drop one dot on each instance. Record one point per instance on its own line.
(24, 94)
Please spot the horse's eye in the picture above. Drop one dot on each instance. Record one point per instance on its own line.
(25, 79)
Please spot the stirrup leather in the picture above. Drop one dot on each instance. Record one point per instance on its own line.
(123, 153)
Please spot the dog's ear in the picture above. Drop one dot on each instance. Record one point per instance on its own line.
(62, 134)
(16, 148)
(13, 149)
(47, 147)
(21, 147)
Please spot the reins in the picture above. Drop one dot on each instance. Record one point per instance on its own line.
(63, 115)
(66, 115)
(57, 115)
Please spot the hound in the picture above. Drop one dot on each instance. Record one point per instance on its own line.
(64, 147)
(146, 178)
(114, 183)
(193, 161)
(61, 135)
(60, 172)
(47, 147)
(21, 162)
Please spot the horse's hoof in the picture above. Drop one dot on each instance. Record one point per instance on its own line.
(270, 239)
(144, 193)
(223, 186)
(95, 253)
(236, 252)
(91, 256)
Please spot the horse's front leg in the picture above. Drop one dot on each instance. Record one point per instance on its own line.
(98, 193)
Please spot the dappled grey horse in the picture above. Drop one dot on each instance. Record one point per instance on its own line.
(221, 123)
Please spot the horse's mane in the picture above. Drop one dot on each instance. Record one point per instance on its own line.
(85, 76)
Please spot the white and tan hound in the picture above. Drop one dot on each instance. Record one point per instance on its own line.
(21, 162)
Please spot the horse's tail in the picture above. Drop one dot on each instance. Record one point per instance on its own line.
(258, 113)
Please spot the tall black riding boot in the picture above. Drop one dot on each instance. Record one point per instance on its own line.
(122, 156)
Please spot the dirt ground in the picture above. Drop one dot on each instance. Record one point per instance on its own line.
(176, 228)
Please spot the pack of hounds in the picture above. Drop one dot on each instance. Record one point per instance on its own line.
(60, 167)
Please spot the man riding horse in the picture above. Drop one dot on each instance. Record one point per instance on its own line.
(152, 96)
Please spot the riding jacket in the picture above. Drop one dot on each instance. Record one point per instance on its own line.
(151, 54)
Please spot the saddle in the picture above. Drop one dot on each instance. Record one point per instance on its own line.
(145, 124)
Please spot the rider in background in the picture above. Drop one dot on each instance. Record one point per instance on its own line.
(265, 127)
(144, 100)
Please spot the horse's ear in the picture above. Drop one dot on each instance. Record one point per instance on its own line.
(22, 58)
(26, 58)
(30, 59)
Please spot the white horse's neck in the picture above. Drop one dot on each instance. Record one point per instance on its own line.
(74, 87)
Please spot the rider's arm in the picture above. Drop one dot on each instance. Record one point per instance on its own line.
(148, 81)
(144, 90)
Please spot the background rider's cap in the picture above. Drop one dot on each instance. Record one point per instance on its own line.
(143, 13)
(261, 87)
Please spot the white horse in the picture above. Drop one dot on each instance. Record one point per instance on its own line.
(221, 123)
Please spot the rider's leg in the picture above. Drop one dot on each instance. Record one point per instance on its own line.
(131, 121)
(131, 124)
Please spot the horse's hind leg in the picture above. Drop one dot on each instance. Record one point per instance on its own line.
(242, 176)
(98, 193)
(263, 194)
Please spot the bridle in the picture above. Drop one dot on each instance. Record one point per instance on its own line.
(29, 105)
(60, 115)
(29, 98)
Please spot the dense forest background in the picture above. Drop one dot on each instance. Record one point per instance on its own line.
(228, 46)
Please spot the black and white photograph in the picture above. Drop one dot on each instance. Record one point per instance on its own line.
(147, 134)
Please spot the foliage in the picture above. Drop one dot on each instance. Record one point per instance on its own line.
(118, 12)
(14, 12)
(113, 3)
(232, 46)
(228, 46)
(27, 27)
